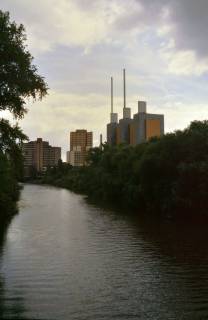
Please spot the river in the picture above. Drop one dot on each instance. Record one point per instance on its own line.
(62, 258)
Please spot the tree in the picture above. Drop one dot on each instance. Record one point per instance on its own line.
(18, 76)
(19, 80)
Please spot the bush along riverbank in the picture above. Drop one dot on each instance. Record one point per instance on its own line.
(9, 189)
(167, 175)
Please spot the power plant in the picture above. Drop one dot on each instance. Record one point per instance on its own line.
(136, 130)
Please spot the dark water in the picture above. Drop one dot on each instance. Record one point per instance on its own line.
(65, 259)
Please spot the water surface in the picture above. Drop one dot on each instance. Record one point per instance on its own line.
(65, 259)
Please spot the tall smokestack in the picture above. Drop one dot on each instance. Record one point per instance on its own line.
(111, 94)
(126, 111)
(113, 116)
(124, 86)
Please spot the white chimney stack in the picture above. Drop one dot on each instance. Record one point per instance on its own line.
(142, 107)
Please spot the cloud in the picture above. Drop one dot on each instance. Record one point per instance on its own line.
(87, 24)
(184, 62)
(183, 23)
(79, 44)
(186, 21)
(66, 22)
(59, 113)
(51, 23)
(190, 20)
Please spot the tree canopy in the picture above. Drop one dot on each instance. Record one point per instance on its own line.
(19, 80)
(167, 175)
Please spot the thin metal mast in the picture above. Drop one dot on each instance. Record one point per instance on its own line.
(124, 87)
(111, 94)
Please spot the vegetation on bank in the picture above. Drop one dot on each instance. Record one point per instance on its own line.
(166, 175)
(10, 167)
(18, 80)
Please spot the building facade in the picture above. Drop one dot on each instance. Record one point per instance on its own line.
(145, 126)
(141, 128)
(122, 130)
(81, 141)
(39, 155)
(112, 129)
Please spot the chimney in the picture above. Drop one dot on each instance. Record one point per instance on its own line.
(124, 87)
(142, 107)
(126, 111)
(113, 116)
(111, 94)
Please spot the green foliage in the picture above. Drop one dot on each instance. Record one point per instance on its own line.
(19, 80)
(165, 176)
(18, 76)
(11, 139)
(9, 190)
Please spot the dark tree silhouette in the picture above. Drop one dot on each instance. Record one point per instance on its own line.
(19, 80)
(18, 76)
(166, 176)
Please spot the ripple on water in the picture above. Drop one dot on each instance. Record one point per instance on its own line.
(66, 259)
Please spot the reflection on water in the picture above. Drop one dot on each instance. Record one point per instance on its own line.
(66, 259)
(9, 308)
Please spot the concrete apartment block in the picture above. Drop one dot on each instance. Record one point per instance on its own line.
(39, 155)
(81, 142)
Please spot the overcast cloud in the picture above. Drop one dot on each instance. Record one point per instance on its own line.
(79, 44)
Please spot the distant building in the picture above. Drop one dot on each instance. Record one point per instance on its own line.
(68, 156)
(141, 128)
(145, 126)
(38, 155)
(122, 130)
(112, 129)
(81, 142)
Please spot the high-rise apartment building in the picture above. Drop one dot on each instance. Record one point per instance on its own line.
(81, 142)
(38, 155)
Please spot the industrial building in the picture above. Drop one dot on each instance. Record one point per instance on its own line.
(138, 129)
(145, 125)
(39, 155)
(81, 142)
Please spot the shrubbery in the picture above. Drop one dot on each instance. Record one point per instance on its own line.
(166, 176)
(9, 190)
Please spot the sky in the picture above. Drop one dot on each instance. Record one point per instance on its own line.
(78, 45)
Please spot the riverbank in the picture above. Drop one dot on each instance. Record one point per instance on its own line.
(166, 176)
